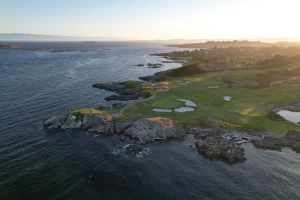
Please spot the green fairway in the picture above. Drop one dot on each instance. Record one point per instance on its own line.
(249, 107)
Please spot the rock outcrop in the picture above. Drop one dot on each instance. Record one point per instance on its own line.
(290, 139)
(154, 65)
(123, 93)
(140, 65)
(216, 147)
(293, 107)
(118, 105)
(67, 120)
(159, 76)
(142, 130)
(151, 129)
(111, 86)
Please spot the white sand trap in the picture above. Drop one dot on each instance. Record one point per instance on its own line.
(213, 87)
(187, 102)
(290, 116)
(227, 98)
(161, 110)
(189, 107)
(184, 109)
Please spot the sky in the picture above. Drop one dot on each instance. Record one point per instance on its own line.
(153, 19)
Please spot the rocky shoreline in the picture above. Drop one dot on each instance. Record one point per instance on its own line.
(223, 145)
(123, 92)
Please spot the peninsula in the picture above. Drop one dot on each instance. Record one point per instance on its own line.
(225, 94)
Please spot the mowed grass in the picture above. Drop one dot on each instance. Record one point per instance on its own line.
(249, 108)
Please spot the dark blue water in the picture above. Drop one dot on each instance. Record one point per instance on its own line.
(35, 164)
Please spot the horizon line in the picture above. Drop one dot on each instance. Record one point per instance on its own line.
(94, 38)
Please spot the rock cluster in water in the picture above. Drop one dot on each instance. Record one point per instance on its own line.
(291, 139)
(216, 145)
(133, 149)
(123, 93)
(154, 65)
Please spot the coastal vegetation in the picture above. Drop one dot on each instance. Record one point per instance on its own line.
(268, 77)
(249, 107)
(241, 95)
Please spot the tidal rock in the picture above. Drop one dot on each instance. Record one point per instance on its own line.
(70, 123)
(62, 120)
(290, 139)
(159, 76)
(292, 136)
(121, 97)
(111, 86)
(140, 65)
(123, 93)
(167, 61)
(120, 127)
(90, 121)
(270, 143)
(216, 147)
(67, 120)
(118, 105)
(154, 65)
(104, 128)
(133, 149)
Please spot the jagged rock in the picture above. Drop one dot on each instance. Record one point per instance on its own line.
(270, 143)
(106, 128)
(101, 107)
(293, 107)
(291, 139)
(129, 91)
(213, 144)
(150, 129)
(121, 97)
(118, 105)
(167, 61)
(120, 127)
(143, 130)
(70, 123)
(292, 136)
(111, 86)
(154, 65)
(67, 120)
(57, 121)
(90, 121)
(159, 76)
(123, 93)
(133, 149)
(140, 65)
(220, 149)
